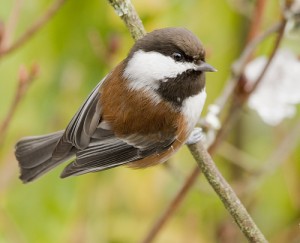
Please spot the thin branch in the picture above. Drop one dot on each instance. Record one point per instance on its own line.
(231, 153)
(257, 19)
(239, 66)
(10, 227)
(172, 208)
(1, 32)
(7, 174)
(11, 24)
(24, 81)
(226, 194)
(180, 177)
(273, 53)
(281, 153)
(126, 11)
(34, 28)
(242, 95)
(277, 158)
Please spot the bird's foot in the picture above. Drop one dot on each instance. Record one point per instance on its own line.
(195, 136)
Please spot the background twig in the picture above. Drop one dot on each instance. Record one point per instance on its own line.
(275, 159)
(10, 26)
(29, 33)
(172, 208)
(25, 79)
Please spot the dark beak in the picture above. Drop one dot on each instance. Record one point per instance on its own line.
(205, 67)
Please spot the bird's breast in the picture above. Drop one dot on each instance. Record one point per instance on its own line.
(131, 112)
(134, 112)
(192, 108)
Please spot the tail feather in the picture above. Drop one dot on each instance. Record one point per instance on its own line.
(30, 174)
(35, 155)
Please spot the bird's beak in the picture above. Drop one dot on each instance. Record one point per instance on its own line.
(205, 67)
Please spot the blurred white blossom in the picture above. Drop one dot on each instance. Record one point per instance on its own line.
(212, 117)
(279, 90)
(295, 8)
(290, 10)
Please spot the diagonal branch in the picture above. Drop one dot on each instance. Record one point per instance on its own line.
(34, 28)
(172, 208)
(226, 194)
(126, 11)
(277, 158)
(25, 79)
(11, 23)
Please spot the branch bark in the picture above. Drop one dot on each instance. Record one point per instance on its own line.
(126, 11)
(226, 194)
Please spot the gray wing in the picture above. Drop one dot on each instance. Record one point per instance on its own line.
(113, 152)
(80, 129)
(97, 148)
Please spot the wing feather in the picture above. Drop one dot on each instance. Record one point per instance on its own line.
(105, 155)
(97, 147)
(80, 129)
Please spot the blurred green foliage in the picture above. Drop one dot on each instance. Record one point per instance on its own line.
(74, 51)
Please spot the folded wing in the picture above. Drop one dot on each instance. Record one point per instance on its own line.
(113, 152)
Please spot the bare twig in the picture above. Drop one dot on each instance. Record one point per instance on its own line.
(281, 153)
(25, 79)
(7, 174)
(242, 95)
(104, 52)
(274, 51)
(277, 158)
(1, 32)
(11, 24)
(226, 194)
(172, 207)
(239, 66)
(126, 11)
(34, 28)
(231, 153)
(256, 19)
(10, 227)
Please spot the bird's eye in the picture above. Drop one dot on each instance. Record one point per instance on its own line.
(177, 56)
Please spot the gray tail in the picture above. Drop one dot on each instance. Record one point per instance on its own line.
(35, 155)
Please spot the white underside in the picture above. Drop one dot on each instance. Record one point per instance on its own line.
(192, 108)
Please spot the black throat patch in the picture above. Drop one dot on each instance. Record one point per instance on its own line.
(185, 85)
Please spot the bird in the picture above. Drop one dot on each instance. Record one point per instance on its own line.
(138, 115)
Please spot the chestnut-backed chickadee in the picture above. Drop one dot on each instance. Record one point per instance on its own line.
(138, 115)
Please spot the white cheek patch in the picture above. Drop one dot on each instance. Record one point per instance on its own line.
(192, 108)
(145, 69)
